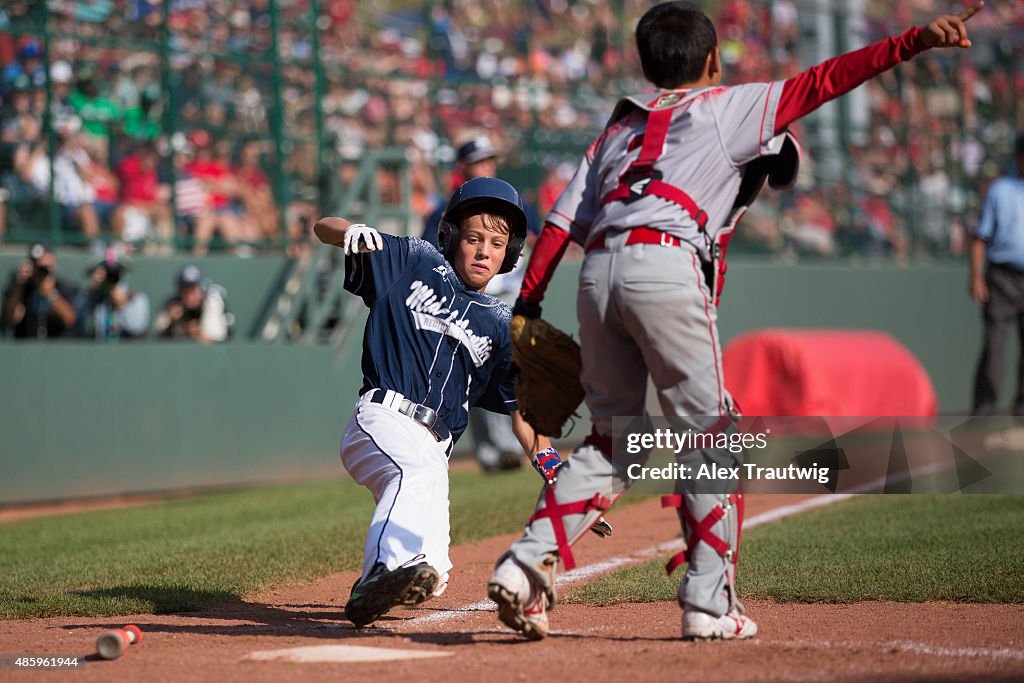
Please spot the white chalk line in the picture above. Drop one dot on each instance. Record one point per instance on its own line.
(910, 647)
(903, 646)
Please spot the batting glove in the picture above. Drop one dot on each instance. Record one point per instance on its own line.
(361, 239)
(602, 528)
(547, 463)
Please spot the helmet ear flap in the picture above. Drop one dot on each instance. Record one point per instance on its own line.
(513, 251)
(447, 238)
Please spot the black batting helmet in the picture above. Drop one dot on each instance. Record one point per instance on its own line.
(484, 195)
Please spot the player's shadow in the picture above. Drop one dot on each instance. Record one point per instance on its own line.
(241, 618)
(230, 615)
(159, 599)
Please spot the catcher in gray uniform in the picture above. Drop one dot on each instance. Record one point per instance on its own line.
(654, 203)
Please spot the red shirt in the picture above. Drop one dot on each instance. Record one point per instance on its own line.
(211, 171)
(104, 185)
(252, 177)
(138, 185)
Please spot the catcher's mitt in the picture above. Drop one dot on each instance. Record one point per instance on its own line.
(548, 388)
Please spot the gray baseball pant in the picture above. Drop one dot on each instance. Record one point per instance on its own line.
(644, 310)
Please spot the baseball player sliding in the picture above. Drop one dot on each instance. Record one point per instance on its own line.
(434, 346)
(653, 203)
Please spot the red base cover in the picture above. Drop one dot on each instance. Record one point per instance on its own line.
(826, 373)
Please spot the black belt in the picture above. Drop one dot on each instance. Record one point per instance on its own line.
(427, 417)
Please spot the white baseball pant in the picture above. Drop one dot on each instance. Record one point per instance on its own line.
(406, 470)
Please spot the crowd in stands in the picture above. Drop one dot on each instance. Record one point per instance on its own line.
(539, 77)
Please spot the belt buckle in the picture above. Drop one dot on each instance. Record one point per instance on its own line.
(424, 415)
(667, 240)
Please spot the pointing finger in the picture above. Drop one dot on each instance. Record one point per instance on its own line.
(970, 11)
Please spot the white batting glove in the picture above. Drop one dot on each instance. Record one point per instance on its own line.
(361, 239)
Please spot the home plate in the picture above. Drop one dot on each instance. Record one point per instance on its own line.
(342, 654)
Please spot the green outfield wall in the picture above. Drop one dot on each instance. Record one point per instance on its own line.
(82, 419)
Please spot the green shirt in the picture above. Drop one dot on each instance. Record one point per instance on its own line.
(98, 115)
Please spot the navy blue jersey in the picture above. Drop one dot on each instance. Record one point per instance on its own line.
(427, 336)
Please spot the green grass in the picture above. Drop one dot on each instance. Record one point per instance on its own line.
(903, 548)
(186, 554)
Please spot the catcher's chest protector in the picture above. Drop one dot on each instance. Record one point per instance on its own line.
(642, 178)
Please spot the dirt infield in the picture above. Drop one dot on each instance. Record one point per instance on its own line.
(864, 641)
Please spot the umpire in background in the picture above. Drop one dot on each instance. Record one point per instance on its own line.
(999, 288)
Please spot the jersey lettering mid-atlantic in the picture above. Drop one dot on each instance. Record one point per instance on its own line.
(410, 288)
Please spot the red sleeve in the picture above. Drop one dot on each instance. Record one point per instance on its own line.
(807, 91)
(547, 252)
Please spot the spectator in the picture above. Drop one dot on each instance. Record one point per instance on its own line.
(20, 123)
(104, 183)
(255, 195)
(477, 157)
(143, 121)
(109, 310)
(29, 64)
(37, 304)
(71, 187)
(197, 312)
(60, 79)
(808, 226)
(101, 117)
(221, 186)
(144, 210)
(191, 200)
(555, 180)
(875, 232)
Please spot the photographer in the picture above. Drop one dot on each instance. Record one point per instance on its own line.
(197, 312)
(110, 310)
(36, 304)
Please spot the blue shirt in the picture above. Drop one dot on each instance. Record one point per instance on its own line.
(428, 336)
(1002, 222)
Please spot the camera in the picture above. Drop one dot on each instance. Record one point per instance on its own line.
(35, 254)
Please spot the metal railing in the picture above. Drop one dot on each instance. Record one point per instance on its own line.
(312, 306)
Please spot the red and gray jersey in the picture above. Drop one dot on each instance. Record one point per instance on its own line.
(696, 167)
(701, 141)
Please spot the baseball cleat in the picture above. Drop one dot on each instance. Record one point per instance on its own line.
(519, 606)
(383, 590)
(704, 626)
